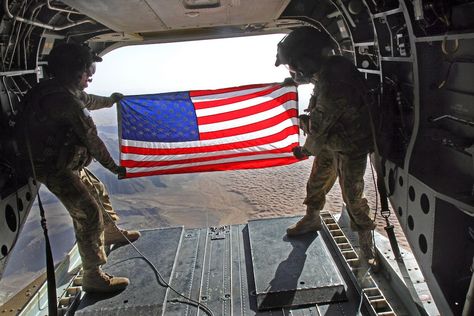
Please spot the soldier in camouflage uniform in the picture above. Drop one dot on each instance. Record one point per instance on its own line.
(61, 140)
(338, 130)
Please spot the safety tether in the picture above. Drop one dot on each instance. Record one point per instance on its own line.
(50, 276)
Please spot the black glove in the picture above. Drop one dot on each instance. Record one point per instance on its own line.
(289, 82)
(120, 171)
(299, 152)
(116, 96)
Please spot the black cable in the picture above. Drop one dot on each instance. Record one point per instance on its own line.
(443, 83)
(375, 187)
(160, 279)
(385, 212)
(163, 282)
(52, 295)
(451, 63)
(376, 199)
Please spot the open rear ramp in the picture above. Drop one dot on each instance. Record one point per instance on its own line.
(248, 269)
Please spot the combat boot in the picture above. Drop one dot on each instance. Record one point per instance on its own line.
(367, 250)
(311, 222)
(115, 235)
(97, 281)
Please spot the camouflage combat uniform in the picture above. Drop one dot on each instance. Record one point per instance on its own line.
(63, 140)
(340, 138)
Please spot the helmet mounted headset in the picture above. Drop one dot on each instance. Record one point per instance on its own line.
(68, 61)
(303, 50)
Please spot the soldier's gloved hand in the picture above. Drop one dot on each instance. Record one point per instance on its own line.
(305, 123)
(299, 152)
(289, 82)
(120, 171)
(116, 96)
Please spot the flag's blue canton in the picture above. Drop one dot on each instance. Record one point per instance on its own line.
(165, 117)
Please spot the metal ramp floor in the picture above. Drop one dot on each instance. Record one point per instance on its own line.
(251, 269)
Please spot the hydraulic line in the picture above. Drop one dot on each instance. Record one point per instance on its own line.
(60, 9)
(40, 24)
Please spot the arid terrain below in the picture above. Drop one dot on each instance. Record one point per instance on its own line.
(190, 200)
(235, 197)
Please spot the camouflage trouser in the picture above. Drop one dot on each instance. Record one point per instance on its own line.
(99, 191)
(327, 166)
(76, 191)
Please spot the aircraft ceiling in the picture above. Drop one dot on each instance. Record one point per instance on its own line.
(149, 16)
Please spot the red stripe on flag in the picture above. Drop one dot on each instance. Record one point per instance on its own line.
(258, 108)
(199, 93)
(288, 114)
(291, 130)
(210, 104)
(261, 150)
(253, 164)
(145, 164)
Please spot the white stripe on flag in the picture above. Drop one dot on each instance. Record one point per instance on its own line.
(291, 139)
(213, 162)
(218, 141)
(242, 104)
(246, 120)
(232, 94)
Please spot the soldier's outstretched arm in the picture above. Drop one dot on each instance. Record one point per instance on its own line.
(83, 126)
(96, 102)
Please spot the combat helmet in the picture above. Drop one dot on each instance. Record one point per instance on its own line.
(67, 60)
(303, 50)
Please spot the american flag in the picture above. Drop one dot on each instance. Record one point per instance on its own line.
(246, 127)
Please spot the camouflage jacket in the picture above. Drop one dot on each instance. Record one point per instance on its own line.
(60, 129)
(339, 117)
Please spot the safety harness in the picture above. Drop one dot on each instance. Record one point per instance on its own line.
(385, 213)
(51, 278)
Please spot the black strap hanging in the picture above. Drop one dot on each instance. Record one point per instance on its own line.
(50, 276)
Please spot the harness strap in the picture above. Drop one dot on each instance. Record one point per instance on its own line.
(51, 278)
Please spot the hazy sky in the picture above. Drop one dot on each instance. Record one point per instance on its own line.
(208, 64)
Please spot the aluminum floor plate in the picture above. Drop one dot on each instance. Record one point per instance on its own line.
(292, 271)
(213, 266)
(144, 295)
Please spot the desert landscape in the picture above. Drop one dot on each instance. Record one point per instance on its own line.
(235, 197)
(190, 200)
